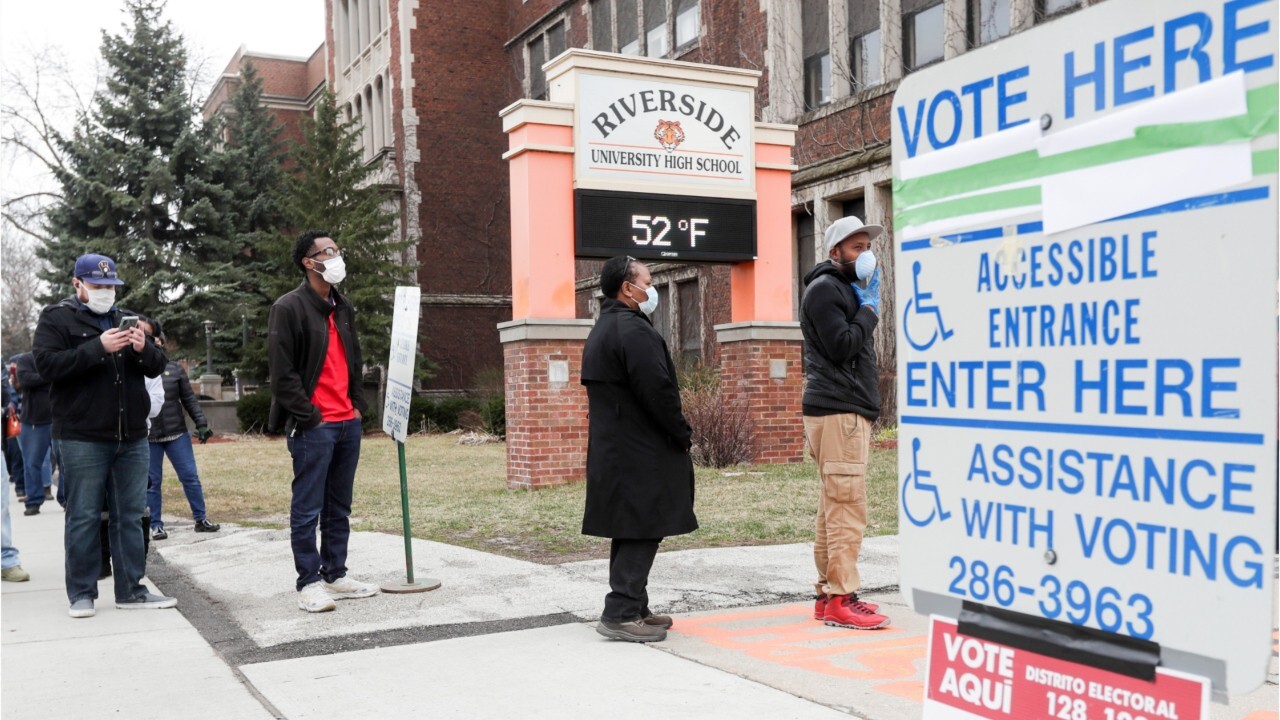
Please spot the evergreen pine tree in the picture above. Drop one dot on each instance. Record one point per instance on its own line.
(140, 186)
(252, 172)
(333, 191)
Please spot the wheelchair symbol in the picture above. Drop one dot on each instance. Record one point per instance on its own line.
(921, 302)
(916, 478)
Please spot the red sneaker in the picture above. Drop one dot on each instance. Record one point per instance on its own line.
(820, 606)
(850, 612)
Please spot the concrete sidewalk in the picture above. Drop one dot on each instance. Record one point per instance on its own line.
(502, 637)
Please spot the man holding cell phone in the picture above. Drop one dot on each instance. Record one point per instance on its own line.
(96, 359)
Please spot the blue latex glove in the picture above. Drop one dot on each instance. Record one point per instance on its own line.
(870, 295)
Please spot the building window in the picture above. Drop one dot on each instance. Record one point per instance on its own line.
(602, 25)
(856, 207)
(806, 250)
(690, 321)
(628, 27)
(988, 21)
(816, 43)
(662, 316)
(1045, 8)
(864, 43)
(655, 28)
(555, 41)
(537, 78)
(924, 36)
(688, 22)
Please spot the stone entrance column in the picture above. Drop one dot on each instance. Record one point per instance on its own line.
(542, 345)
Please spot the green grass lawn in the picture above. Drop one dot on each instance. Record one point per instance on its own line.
(458, 495)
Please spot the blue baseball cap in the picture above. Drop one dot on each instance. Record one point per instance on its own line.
(97, 269)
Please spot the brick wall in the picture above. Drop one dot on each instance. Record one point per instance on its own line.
(546, 423)
(773, 404)
(462, 342)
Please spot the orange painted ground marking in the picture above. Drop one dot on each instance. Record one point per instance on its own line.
(801, 642)
(1262, 715)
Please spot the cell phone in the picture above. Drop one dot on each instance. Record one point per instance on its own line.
(128, 322)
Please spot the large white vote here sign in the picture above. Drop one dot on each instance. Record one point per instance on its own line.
(1086, 225)
(404, 349)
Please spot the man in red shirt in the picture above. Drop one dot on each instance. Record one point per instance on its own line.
(317, 401)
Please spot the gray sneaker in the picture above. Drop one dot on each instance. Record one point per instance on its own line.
(82, 608)
(147, 601)
(633, 631)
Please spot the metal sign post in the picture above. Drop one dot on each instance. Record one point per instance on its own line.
(395, 417)
(1087, 372)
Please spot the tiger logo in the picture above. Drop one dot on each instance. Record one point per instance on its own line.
(668, 134)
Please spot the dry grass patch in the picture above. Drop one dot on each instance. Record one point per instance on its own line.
(458, 495)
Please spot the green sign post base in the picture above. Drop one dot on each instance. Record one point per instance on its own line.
(409, 585)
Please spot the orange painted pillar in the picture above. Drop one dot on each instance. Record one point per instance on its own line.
(542, 345)
(760, 351)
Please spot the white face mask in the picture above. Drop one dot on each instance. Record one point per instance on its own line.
(335, 270)
(101, 300)
(866, 265)
(651, 303)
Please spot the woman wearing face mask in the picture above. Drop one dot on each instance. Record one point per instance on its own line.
(639, 473)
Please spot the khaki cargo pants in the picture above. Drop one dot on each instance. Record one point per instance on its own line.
(841, 445)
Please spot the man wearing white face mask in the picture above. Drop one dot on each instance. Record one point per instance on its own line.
(317, 401)
(639, 473)
(97, 370)
(839, 312)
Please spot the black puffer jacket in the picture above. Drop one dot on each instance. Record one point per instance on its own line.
(36, 409)
(840, 367)
(96, 396)
(177, 395)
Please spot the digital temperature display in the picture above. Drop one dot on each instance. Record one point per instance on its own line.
(674, 228)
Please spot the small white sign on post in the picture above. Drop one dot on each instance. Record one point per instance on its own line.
(404, 348)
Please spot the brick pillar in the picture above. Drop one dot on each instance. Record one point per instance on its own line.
(546, 402)
(761, 365)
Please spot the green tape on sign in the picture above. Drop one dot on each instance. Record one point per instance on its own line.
(1260, 120)
(987, 202)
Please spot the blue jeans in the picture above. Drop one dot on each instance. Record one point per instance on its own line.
(324, 473)
(8, 553)
(36, 442)
(184, 463)
(114, 475)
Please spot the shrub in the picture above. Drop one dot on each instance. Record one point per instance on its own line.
(493, 415)
(252, 411)
(443, 415)
(722, 431)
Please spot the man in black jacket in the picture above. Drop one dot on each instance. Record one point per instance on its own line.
(639, 473)
(169, 437)
(317, 401)
(841, 400)
(37, 428)
(97, 371)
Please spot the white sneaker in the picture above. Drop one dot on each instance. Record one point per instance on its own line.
(314, 599)
(345, 588)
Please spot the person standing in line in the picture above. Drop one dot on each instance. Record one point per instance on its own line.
(640, 482)
(12, 447)
(841, 400)
(97, 365)
(169, 436)
(37, 433)
(10, 561)
(317, 401)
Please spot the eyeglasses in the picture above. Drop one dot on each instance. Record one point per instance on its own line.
(99, 274)
(329, 253)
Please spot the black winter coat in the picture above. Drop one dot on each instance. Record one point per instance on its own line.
(36, 406)
(177, 395)
(95, 396)
(297, 341)
(639, 473)
(841, 373)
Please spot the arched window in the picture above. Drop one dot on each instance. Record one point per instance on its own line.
(370, 119)
(379, 118)
(354, 28)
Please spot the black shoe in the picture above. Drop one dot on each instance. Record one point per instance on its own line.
(206, 526)
(159, 534)
(32, 510)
